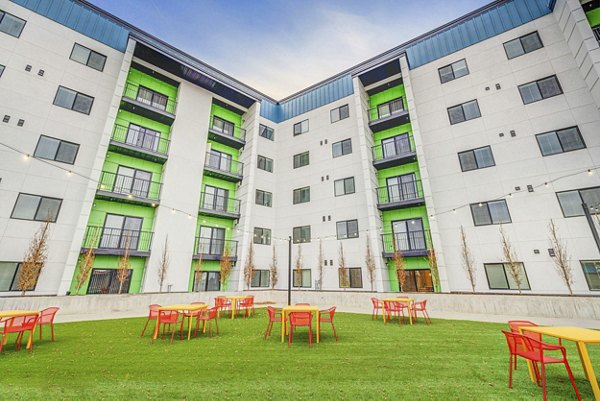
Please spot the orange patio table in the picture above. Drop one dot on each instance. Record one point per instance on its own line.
(178, 308)
(409, 301)
(16, 313)
(285, 311)
(234, 301)
(582, 337)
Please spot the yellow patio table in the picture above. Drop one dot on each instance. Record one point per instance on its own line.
(7, 314)
(234, 301)
(286, 310)
(580, 336)
(409, 301)
(178, 308)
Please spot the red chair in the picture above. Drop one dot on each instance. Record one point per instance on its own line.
(222, 304)
(300, 319)
(248, 305)
(326, 316)
(274, 317)
(377, 305)
(47, 317)
(19, 325)
(153, 315)
(533, 351)
(190, 315)
(207, 316)
(392, 308)
(167, 318)
(421, 307)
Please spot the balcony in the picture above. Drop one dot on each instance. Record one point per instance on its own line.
(388, 115)
(393, 154)
(213, 248)
(398, 196)
(219, 206)
(147, 103)
(220, 166)
(413, 243)
(114, 241)
(144, 144)
(596, 31)
(226, 133)
(128, 189)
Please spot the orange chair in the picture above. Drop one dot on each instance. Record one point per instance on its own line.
(222, 303)
(274, 317)
(300, 319)
(153, 315)
(392, 308)
(377, 305)
(420, 307)
(167, 318)
(47, 317)
(248, 305)
(19, 325)
(207, 316)
(326, 316)
(190, 315)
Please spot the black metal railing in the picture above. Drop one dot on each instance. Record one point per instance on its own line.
(213, 247)
(141, 139)
(386, 110)
(149, 97)
(219, 203)
(406, 242)
(224, 164)
(398, 193)
(106, 281)
(596, 31)
(392, 150)
(227, 129)
(130, 186)
(119, 239)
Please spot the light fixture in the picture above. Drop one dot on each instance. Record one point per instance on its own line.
(453, 210)
(153, 205)
(172, 210)
(26, 156)
(510, 195)
(590, 172)
(480, 204)
(546, 184)
(69, 173)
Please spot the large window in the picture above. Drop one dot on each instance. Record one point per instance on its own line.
(73, 100)
(152, 98)
(219, 161)
(464, 112)
(301, 234)
(591, 271)
(264, 198)
(260, 278)
(418, 280)
(476, 158)
(342, 148)
(302, 278)
(571, 201)
(212, 241)
(106, 281)
(525, 44)
(560, 141)
(301, 159)
(401, 188)
(499, 277)
(344, 186)
(395, 146)
(347, 229)
(455, 70)
(88, 57)
(339, 113)
(224, 127)
(122, 232)
(352, 279)
(301, 195)
(11, 24)
(301, 127)
(264, 163)
(262, 236)
(215, 198)
(56, 149)
(207, 281)
(9, 277)
(409, 235)
(266, 132)
(492, 212)
(132, 181)
(142, 137)
(541, 89)
(37, 208)
(390, 108)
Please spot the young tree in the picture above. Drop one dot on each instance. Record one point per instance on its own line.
(35, 259)
(370, 263)
(343, 271)
(163, 264)
(225, 265)
(86, 262)
(433, 267)
(561, 257)
(197, 270)
(123, 266)
(273, 268)
(249, 266)
(298, 264)
(321, 263)
(514, 267)
(467, 259)
(400, 265)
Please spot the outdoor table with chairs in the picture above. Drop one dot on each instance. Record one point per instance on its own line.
(21, 321)
(169, 316)
(300, 315)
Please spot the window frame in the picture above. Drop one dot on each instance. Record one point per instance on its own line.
(580, 198)
(262, 234)
(537, 83)
(263, 194)
(37, 209)
(14, 280)
(61, 141)
(388, 103)
(113, 273)
(462, 107)
(555, 132)
(586, 275)
(346, 224)
(486, 205)
(299, 157)
(520, 39)
(301, 230)
(344, 185)
(451, 66)
(296, 199)
(339, 113)
(87, 63)
(341, 144)
(301, 125)
(74, 100)
(504, 267)
(261, 273)
(350, 278)
(302, 271)
(266, 129)
(4, 14)
(266, 161)
(205, 289)
(462, 167)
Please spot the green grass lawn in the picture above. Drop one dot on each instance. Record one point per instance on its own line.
(449, 360)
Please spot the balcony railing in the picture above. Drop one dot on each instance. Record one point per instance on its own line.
(226, 133)
(400, 195)
(149, 98)
(144, 141)
(388, 115)
(224, 167)
(413, 243)
(393, 154)
(110, 241)
(213, 248)
(221, 206)
(129, 187)
(596, 31)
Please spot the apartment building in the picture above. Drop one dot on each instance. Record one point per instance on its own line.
(130, 147)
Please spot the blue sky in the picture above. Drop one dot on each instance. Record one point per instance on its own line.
(282, 46)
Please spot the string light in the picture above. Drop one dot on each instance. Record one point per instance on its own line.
(590, 172)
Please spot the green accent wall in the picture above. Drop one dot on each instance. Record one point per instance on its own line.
(219, 147)
(102, 207)
(114, 160)
(211, 221)
(207, 266)
(151, 82)
(225, 114)
(385, 96)
(397, 130)
(112, 262)
(593, 17)
(415, 263)
(125, 117)
(216, 182)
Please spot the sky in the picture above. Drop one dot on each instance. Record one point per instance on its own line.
(280, 47)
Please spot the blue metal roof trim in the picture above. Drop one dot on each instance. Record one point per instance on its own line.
(81, 19)
(491, 22)
(310, 100)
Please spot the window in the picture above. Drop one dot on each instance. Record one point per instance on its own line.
(266, 132)
(105, 281)
(260, 278)
(455, 70)
(56, 149)
(264, 198)
(302, 278)
(212, 241)
(352, 279)
(264, 163)
(401, 188)
(540, 89)
(408, 235)
(493, 212)
(219, 161)
(11, 24)
(1, 69)
(130, 181)
(571, 201)
(301, 195)
(262, 236)
(37, 208)
(591, 271)
(500, 278)
(342, 148)
(122, 232)
(347, 229)
(142, 137)
(339, 113)
(344, 186)
(215, 198)
(524, 44)
(418, 280)
(88, 57)
(301, 234)
(301, 127)
(207, 281)
(301, 159)
(395, 146)
(72, 100)
(476, 158)
(464, 112)
(152, 98)
(390, 108)
(9, 276)
(560, 141)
